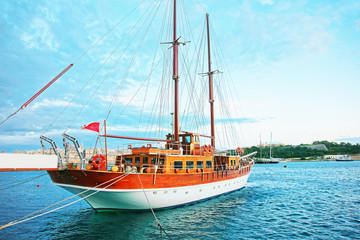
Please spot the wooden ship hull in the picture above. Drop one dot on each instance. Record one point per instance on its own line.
(144, 191)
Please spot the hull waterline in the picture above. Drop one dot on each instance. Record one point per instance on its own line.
(156, 198)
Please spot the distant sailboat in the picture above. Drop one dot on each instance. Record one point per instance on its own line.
(267, 160)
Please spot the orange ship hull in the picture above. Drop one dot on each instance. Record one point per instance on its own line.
(134, 191)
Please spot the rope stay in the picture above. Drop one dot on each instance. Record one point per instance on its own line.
(19, 182)
(27, 217)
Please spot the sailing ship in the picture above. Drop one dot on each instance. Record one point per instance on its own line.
(179, 170)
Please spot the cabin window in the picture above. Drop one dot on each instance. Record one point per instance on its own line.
(145, 160)
(153, 160)
(128, 160)
(200, 164)
(178, 165)
(187, 139)
(137, 159)
(162, 162)
(208, 164)
(189, 164)
(197, 138)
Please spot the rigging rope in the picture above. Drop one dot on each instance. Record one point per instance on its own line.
(152, 64)
(228, 79)
(108, 73)
(134, 57)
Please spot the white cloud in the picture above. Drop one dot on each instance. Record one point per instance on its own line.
(53, 103)
(19, 139)
(267, 2)
(40, 36)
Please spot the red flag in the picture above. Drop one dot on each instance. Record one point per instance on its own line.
(95, 126)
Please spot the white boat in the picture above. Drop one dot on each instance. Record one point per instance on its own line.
(344, 159)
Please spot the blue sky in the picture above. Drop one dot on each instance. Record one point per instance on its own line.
(295, 67)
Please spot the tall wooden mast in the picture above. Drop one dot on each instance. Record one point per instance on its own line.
(211, 92)
(176, 79)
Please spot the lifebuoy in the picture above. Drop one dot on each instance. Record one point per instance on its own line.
(205, 148)
(101, 161)
(210, 148)
(239, 150)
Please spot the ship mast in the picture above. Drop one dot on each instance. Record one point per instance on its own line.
(176, 79)
(211, 94)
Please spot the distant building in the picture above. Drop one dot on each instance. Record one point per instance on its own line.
(320, 147)
(265, 144)
(355, 157)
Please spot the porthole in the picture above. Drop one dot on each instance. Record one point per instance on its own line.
(165, 192)
(174, 191)
(154, 193)
(186, 192)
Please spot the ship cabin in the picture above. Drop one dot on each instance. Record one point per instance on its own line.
(188, 157)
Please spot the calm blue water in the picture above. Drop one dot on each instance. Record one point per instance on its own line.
(315, 200)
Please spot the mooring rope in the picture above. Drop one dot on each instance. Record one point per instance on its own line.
(156, 219)
(21, 181)
(24, 219)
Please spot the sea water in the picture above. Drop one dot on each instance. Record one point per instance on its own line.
(305, 200)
